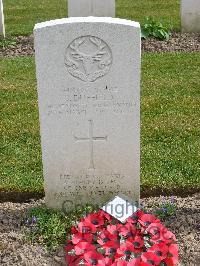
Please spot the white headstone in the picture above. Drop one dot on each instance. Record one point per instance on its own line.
(97, 8)
(2, 27)
(190, 15)
(88, 74)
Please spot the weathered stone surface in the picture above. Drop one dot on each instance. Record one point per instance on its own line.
(190, 15)
(97, 8)
(88, 73)
(2, 26)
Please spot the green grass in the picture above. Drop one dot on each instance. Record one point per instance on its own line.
(171, 120)
(49, 227)
(170, 123)
(21, 160)
(162, 10)
(21, 16)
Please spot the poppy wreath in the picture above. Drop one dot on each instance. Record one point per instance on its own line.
(99, 239)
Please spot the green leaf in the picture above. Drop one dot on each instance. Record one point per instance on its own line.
(144, 34)
(155, 28)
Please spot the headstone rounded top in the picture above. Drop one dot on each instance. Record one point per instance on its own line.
(107, 20)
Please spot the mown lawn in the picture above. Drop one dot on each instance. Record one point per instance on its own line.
(170, 123)
(21, 15)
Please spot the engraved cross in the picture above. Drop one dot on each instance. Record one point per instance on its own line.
(91, 140)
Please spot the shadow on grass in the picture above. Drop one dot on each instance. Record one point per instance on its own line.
(23, 196)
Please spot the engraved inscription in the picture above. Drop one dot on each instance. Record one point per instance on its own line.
(95, 185)
(91, 140)
(102, 100)
(88, 58)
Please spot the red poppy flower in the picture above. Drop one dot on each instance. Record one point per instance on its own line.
(160, 250)
(70, 258)
(138, 243)
(95, 219)
(169, 262)
(105, 237)
(108, 261)
(111, 248)
(112, 229)
(163, 236)
(82, 237)
(128, 230)
(126, 249)
(82, 219)
(94, 258)
(139, 233)
(74, 230)
(155, 229)
(146, 219)
(142, 263)
(173, 253)
(134, 262)
(86, 227)
(120, 263)
(134, 217)
(73, 260)
(105, 215)
(168, 236)
(69, 246)
(83, 247)
(151, 258)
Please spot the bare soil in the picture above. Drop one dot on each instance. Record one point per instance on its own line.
(179, 42)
